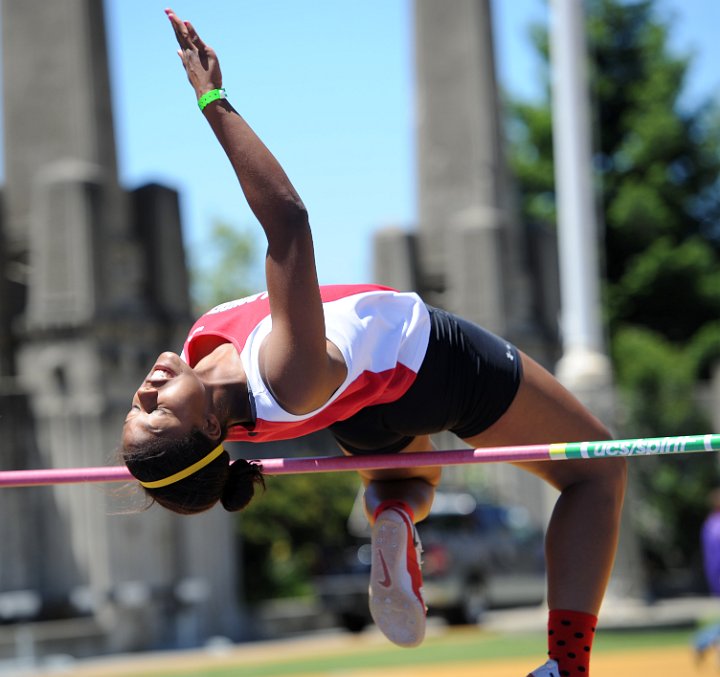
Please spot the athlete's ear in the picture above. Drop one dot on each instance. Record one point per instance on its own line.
(212, 427)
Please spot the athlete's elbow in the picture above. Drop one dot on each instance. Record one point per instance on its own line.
(293, 209)
(288, 213)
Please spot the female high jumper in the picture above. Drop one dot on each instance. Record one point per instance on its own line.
(382, 371)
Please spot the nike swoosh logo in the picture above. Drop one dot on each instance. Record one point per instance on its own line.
(387, 581)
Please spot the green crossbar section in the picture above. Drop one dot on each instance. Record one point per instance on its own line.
(643, 446)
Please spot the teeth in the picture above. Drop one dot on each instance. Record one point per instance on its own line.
(160, 374)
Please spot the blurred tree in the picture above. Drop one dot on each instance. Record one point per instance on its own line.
(286, 528)
(656, 166)
(226, 270)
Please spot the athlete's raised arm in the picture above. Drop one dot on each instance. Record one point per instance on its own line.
(295, 360)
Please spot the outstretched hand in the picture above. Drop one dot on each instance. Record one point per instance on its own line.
(200, 61)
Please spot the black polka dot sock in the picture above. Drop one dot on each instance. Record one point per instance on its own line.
(570, 638)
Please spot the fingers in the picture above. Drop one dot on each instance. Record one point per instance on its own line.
(185, 33)
(180, 29)
(174, 21)
(199, 60)
(194, 37)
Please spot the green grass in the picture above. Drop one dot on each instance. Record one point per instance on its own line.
(460, 646)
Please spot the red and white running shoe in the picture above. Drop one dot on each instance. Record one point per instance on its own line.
(396, 601)
(550, 669)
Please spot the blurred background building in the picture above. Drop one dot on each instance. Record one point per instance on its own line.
(94, 287)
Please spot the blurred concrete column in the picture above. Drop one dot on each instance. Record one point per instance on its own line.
(462, 178)
(56, 97)
(476, 249)
(394, 259)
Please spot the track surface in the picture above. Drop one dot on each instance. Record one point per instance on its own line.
(675, 661)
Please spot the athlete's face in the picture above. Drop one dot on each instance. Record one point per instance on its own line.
(171, 401)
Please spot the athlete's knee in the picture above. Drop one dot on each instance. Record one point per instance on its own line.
(416, 492)
(613, 470)
(615, 477)
(606, 480)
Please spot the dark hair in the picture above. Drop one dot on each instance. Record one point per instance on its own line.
(233, 484)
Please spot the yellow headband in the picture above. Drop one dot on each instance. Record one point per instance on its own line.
(156, 484)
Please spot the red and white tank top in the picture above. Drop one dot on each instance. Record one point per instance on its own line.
(381, 333)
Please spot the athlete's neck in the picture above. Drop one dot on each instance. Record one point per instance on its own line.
(224, 377)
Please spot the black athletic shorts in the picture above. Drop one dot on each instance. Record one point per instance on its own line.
(468, 379)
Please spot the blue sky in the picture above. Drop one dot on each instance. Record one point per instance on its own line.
(328, 84)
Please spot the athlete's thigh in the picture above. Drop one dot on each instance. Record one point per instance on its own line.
(544, 412)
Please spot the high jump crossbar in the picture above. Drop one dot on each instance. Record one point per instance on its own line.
(648, 446)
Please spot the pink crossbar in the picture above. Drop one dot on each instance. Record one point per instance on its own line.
(288, 466)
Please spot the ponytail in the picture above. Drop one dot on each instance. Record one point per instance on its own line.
(240, 484)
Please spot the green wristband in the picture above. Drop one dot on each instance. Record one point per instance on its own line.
(209, 97)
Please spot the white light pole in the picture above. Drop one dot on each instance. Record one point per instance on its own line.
(584, 365)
